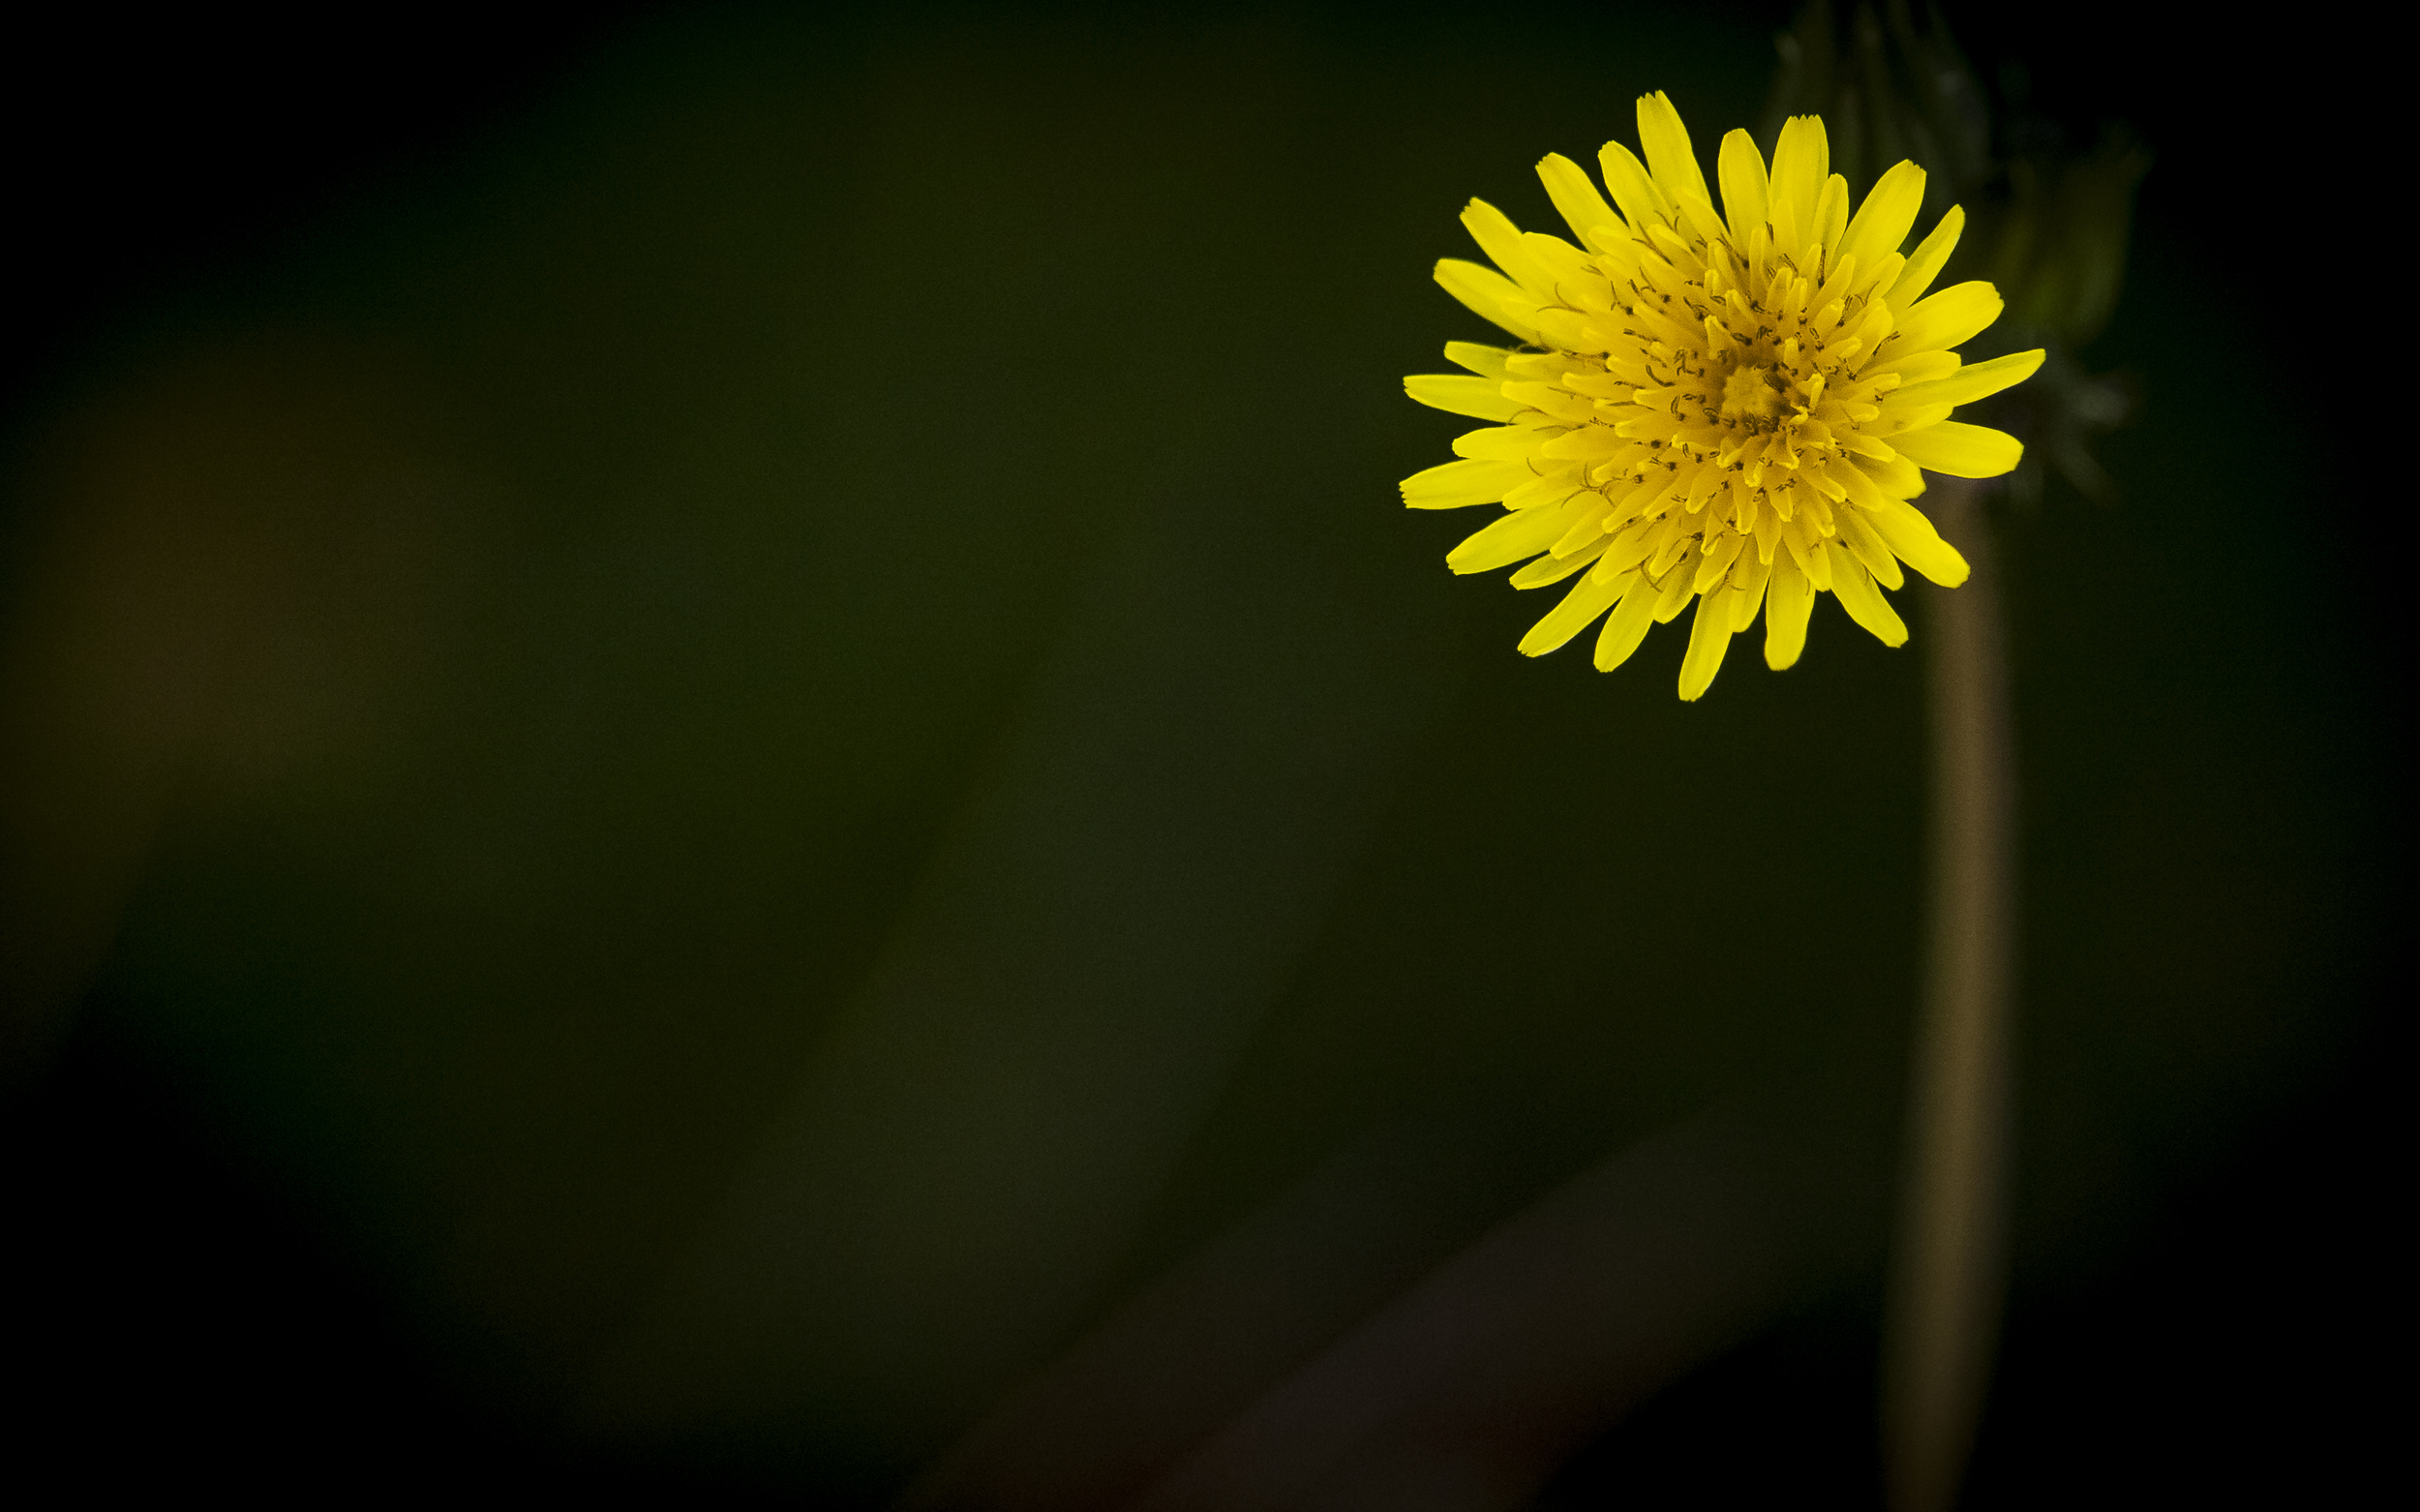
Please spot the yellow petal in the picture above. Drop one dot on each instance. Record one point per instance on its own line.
(1747, 591)
(1477, 397)
(1788, 602)
(1961, 450)
(1500, 240)
(1641, 201)
(1709, 636)
(1630, 548)
(1547, 487)
(1807, 551)
(1643, 493)
(1579, 609)
(1858, 595)
(1946, 319)
(1486, 361)
(1767, 533)
(1586, 443)
(1671, 543)
(1713, 565)
(1453, 485)
(1702, 220)
(1912, 539)
(1968, 384)
(1554, 569)
(1840, 275)
(1872, 279)
(1555, 399)
(1883, 221)
(1573, 332)
(1832, 216)
(1517, 537)
(1587, 530)
(1676, 590)
(1898, 416)
(1502, 442)
(1802, 162)
(1916, 367)
(1489, 295)
(1898, 479)
(1668, 153)
(1575, 195)
(1740, 168)
(1867, 546)
(1923, 264)
(1627, 626)
(1570, 274)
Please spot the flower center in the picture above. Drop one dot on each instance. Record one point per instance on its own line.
(1750, 393)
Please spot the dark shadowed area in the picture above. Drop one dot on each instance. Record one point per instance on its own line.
(727, 773)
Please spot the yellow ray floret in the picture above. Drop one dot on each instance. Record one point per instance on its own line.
(1731, 407)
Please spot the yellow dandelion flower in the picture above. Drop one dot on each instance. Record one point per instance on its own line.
(1728, 408)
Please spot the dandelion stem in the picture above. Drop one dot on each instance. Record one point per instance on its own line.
(1950, 1271)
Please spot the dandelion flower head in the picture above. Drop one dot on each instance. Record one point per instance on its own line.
(1731, 406)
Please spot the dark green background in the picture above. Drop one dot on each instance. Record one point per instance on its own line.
(748, 509)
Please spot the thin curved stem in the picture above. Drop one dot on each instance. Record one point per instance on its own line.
(1950, 1272)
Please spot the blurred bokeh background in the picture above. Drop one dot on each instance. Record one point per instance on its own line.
(727, 770)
